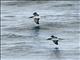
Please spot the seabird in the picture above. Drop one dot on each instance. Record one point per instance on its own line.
(54, 39)
(35, 17)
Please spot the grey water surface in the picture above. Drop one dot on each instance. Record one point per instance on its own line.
(22, 39)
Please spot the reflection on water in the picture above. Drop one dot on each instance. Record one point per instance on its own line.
(36, 31)
(55, 54)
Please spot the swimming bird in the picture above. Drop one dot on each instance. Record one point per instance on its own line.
(36, 17)
(54, 39)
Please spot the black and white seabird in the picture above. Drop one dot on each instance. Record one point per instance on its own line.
(54, 39)
(35, 17)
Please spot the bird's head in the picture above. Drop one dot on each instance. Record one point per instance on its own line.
(35, 14)
(52, 36)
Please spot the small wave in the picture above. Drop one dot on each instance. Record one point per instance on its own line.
(3, 25)
(38, 28)
(26, 28)
(13, 35)
(9, 16)
(63, 5)
(10, 3)
(71, 32)
(77, 22)
(15, 29)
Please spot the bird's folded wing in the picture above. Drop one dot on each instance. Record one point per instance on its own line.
(57, 39)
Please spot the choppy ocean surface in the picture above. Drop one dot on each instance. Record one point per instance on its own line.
(21, 39)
